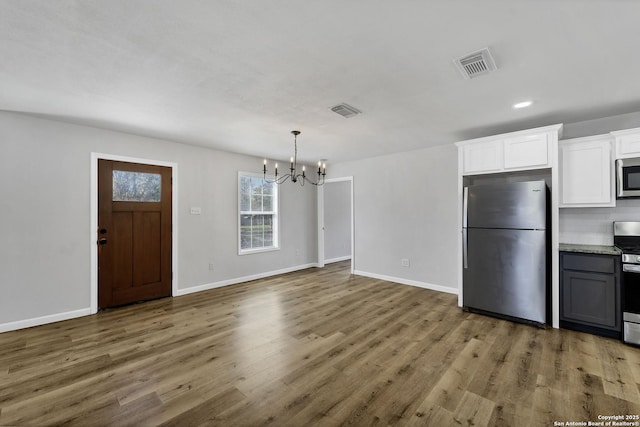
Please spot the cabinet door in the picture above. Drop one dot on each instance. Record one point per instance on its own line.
(482, 157)
(627, 145)
(586, 174)
(526, 152)
(590, 298)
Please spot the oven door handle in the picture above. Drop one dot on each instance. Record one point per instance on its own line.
(630, 268)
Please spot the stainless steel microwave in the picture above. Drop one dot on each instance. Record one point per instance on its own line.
(627, 178)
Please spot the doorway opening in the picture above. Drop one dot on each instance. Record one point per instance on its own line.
(336, 229)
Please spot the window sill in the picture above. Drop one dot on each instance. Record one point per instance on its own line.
(257, 251)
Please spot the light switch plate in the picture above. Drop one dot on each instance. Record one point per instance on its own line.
(196, 211)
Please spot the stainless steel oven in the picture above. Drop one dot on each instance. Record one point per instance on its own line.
(626, 236)
(631, 299)
(627, 178)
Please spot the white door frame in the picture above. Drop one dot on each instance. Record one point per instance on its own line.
(321, 221)
(94, 219)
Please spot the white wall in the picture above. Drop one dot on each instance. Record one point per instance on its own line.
(406, 207)
(601, 125)
(45, 215)
(337, 220)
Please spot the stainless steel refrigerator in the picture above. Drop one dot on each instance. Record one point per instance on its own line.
(505, 250)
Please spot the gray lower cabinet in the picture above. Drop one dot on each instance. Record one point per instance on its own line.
(590, 293)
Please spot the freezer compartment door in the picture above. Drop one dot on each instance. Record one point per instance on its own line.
(520, 205)
(506, 273)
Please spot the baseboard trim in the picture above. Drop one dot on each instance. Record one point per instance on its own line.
(401, 281)
(58, 317)
(37, 321)
(220, 284)
(332, 260)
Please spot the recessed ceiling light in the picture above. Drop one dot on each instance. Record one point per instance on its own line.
(523, 104)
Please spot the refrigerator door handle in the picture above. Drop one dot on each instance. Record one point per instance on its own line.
(465, 264)
(465, 206)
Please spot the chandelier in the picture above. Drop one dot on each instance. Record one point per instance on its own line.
(293, 169)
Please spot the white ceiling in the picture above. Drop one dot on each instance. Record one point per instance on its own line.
(239, 75)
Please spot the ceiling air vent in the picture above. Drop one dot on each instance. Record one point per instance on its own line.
(476, 64)
(345, 110)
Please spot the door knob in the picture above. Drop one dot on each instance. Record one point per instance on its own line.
(102, 241)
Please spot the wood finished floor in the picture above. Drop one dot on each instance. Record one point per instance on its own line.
(316, 347)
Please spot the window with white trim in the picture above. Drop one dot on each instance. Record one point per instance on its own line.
(258, 219)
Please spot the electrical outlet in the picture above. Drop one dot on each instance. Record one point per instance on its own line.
(211, 265)
(196, 211)
(404, 262)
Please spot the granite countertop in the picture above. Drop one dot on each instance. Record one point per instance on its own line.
(590, 249)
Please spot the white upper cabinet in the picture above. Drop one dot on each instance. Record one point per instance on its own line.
(526, 152)
(586, 172)
(483, 157)
(523, 150)
(627, 143)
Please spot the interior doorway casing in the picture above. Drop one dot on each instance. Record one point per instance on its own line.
(321, 220)
(94, 219)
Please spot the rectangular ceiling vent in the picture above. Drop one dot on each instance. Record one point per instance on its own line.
(345, 110)
(476, 64)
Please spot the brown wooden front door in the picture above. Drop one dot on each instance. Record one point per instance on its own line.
(134, 232)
